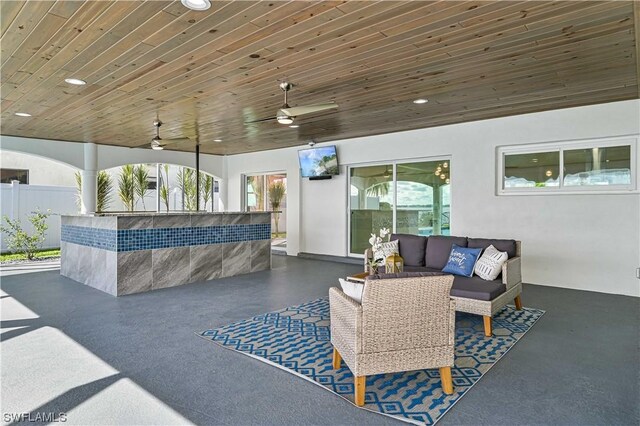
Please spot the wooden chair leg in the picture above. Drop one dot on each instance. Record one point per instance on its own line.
(360, 385)
(445, 378)
(337, 359)
(518, 302)
(487, 325)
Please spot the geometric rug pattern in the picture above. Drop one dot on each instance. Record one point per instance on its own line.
(297, 339)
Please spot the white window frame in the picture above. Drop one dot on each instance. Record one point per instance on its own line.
(393, 163)
(561, 146)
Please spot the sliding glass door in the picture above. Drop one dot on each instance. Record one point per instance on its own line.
(409, 198)
(371, 203)
(268, 192)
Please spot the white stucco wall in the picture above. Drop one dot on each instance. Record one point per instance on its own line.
(584, 241)
(42, 171)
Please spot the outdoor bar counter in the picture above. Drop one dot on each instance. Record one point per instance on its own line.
(137, 252)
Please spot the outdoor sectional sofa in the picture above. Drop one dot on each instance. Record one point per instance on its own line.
(472, 294)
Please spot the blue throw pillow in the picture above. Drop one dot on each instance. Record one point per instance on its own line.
(462, 260)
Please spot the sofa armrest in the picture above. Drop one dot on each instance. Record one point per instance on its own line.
(346, 321)
(368, 255)
(511, 272)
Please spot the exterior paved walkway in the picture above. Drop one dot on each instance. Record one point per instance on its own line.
(67, 348)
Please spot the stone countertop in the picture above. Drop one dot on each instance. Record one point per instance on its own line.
(143, 220)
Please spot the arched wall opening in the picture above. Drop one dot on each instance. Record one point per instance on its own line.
(105, 157)
(156, 187)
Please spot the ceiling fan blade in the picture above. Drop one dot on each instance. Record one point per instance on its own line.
(308, 109)
(260, 120)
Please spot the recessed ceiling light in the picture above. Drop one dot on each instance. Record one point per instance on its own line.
(217, 140)
(75, 81)
(294, 126)
(23, 114)
(196, 4)
(534, 160)
(420, 101)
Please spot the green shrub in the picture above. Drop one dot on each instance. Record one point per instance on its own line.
(20, 241)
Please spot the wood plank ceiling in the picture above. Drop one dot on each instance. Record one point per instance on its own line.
(205, 74)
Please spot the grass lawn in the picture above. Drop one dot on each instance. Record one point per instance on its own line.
(8, 257)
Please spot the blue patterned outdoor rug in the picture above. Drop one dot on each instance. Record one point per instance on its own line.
(297, 340)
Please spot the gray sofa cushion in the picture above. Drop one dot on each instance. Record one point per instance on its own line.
(503, 245)
(476, 288)
(412, 248)
(469, 287)
(439, 248)
(404, 274)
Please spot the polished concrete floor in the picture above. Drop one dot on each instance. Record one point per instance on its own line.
(67, 348)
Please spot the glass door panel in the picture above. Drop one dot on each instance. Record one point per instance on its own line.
(372, 203)
(255, 194)
(277, 202)
(269, 193)
(416, 202)
(423, 206)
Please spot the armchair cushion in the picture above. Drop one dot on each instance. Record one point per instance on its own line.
(412, 248)
(351, 289)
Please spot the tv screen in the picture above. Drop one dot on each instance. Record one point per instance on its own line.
(322, 161)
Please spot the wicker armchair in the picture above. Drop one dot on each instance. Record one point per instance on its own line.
(402, 325)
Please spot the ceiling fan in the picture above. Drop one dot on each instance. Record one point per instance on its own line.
(287, 114)
(157, 142)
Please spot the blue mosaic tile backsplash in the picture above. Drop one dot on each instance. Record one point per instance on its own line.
(155, 238)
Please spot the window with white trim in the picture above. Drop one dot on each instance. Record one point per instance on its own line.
(563, 167)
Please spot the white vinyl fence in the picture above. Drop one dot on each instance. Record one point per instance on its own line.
(18, 201)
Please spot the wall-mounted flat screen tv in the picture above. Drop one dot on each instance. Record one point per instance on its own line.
(321, 161)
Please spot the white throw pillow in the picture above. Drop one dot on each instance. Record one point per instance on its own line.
(385, 250)
(351, 289)
(489, 266)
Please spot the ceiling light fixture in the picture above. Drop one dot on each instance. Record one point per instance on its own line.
(156, 145)
(196, 4)
(284, 118)
(420, 101)
(294, 126)
(217, 140)
(442, 171)
(75, 81)
(23, 114)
